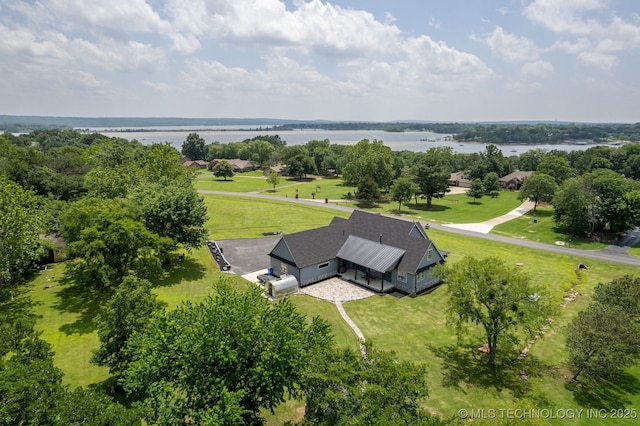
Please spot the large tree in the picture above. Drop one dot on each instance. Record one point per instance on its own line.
(623, 292)
(106, 242)
(161, 160)
(22, 219)
(433, 172)
(575, 207)
(602, 340)
(225, 358)
(343, 387)
(557, 167)
(194, 147)
(127, 311)
(223, 169)
(499, 298)
(175, 210)
(373, 159)
(538, 187)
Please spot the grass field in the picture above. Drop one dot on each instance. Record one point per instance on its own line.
(237, 217)
(540, 227)
(458, 208)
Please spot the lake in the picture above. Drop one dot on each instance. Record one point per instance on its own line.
(410, 141)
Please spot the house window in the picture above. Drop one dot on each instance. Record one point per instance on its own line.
(429, 254)
(323, 265)
(283, 268)
(402, 276)
(420, 276)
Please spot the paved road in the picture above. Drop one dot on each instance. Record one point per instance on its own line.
(614, 253)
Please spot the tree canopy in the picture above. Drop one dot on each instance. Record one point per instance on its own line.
(127, 311)
(372, 159)
(22, 219)
(499, 298)
(194, 147)
(538, 187)
(226, 357)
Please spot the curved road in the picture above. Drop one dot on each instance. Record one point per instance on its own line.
(615, 254)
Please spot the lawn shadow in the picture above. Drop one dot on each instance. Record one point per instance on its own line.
(424, 208)
(187, 270)
(15, 303)
(611, 393)
(84, 301)
(463, 364)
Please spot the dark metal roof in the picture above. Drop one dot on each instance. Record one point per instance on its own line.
(376, 256)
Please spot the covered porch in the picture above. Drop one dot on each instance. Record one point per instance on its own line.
(368, 263)
(371, 280)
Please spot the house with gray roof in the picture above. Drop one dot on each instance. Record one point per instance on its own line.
(379, 252)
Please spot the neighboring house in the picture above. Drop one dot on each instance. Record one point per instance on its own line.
(514, 180)
(237, 164)
(460, 179)
(375, 251)
(197, 164)
(55, 248)
(281, 170)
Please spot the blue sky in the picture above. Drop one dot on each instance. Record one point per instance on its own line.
(454, 60)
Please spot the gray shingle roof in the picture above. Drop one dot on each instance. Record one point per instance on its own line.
(322, 244)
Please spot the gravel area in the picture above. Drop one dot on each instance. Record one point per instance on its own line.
(336, 290)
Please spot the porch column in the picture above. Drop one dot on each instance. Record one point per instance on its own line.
(368, 276)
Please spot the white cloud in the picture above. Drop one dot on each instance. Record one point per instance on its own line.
(572, 47)
(537, 69)
(563, 16)
(620, 36)
(311, 26)
(511, 47)
(598, 60)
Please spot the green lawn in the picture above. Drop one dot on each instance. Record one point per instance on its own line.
(458, 208)
(237, 217)
(331, 188)
(240, 182)
(540, 227)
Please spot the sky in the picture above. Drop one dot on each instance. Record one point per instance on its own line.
(365, 60)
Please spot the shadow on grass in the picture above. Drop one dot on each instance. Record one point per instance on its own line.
(84, 301)
(422, 207)
(15, 303)
(464, 365)
(597, 393)
(176, 272)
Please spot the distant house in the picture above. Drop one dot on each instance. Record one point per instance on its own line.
(197, 164)
(514, 180)
(460, 179)
(281, 170)
(237, 164)
(375, 251)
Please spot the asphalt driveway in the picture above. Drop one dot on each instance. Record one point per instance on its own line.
(248, 255)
